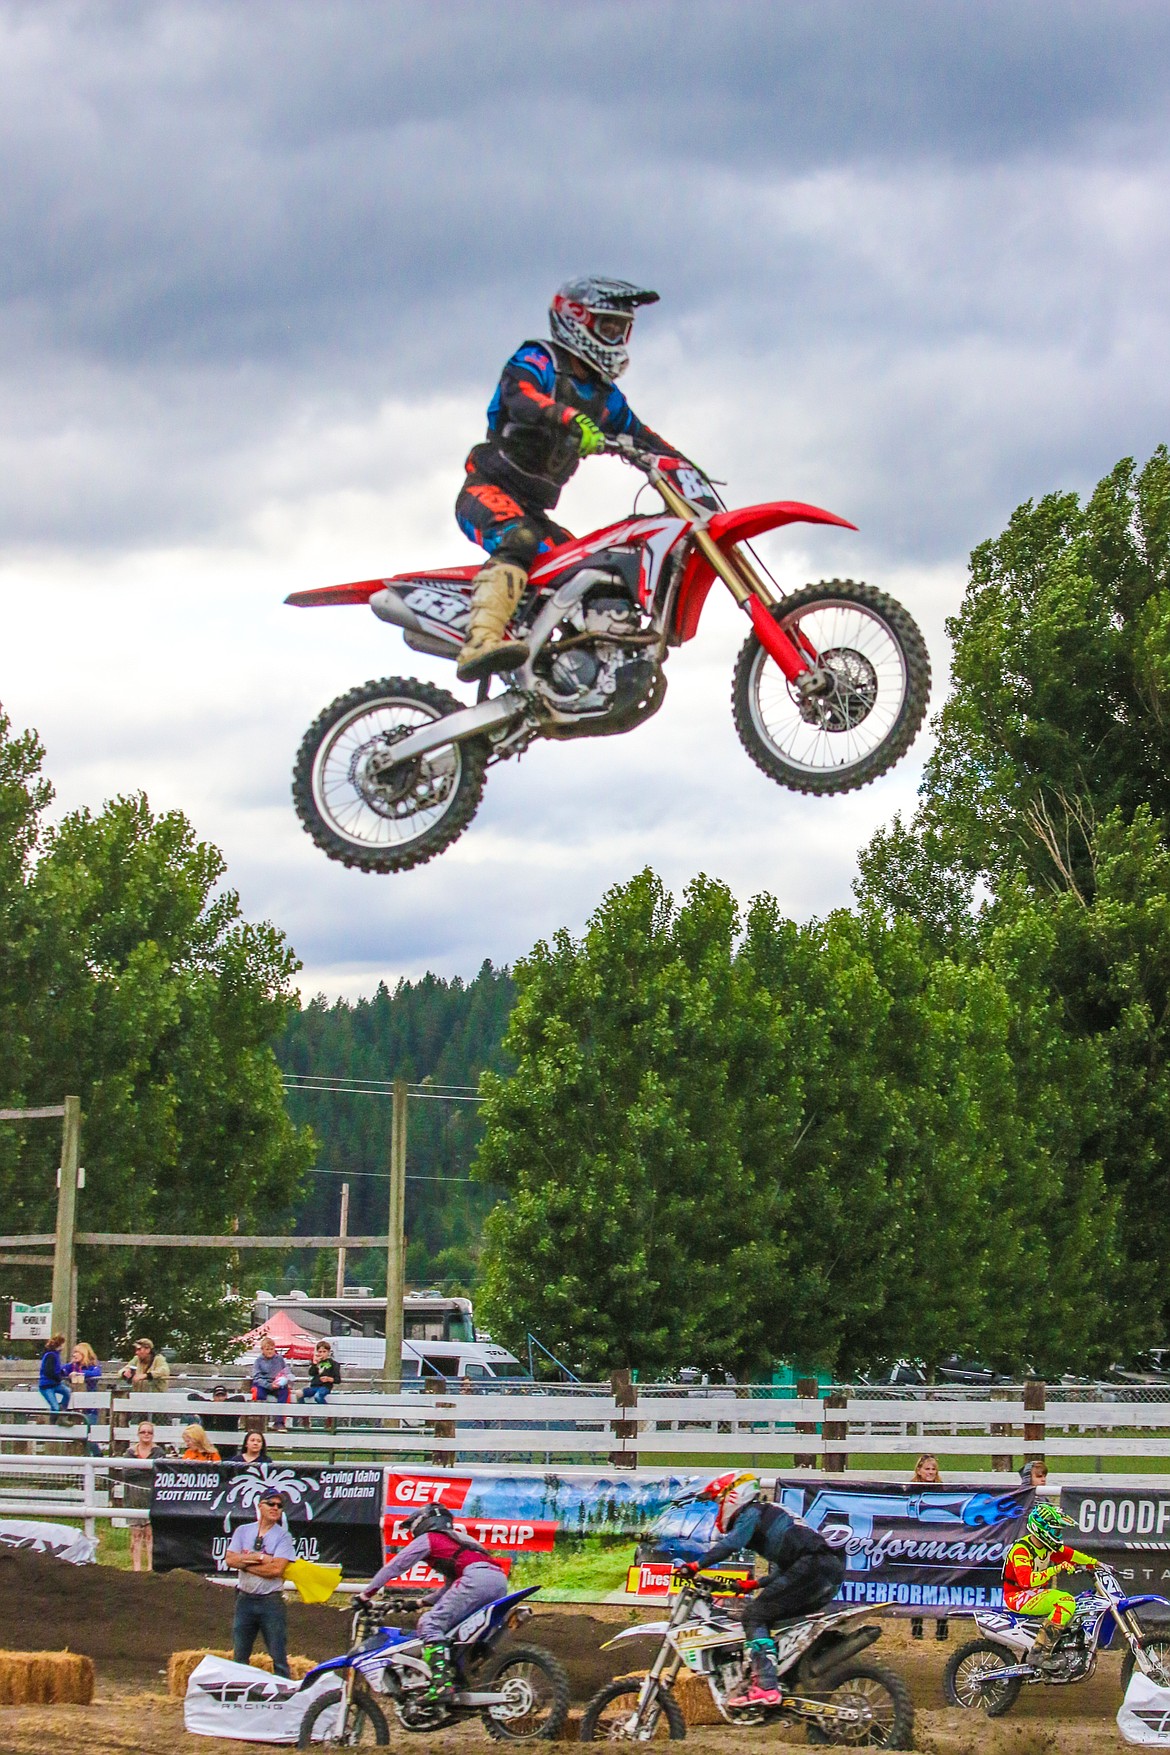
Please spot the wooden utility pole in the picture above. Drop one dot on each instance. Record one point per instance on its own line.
(341, 1231)
(395, 1241)
(64, 1319)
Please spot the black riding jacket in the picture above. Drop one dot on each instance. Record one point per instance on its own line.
(531, 447)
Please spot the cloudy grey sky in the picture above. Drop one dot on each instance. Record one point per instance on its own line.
(261, 264)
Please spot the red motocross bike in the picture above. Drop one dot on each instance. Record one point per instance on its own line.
(830, 687)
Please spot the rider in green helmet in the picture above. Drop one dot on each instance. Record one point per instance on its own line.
(1030, 1564)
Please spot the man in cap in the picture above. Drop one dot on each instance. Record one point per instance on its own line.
(259, 1554)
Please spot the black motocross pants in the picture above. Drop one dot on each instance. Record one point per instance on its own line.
(810, 1583)
(509, 530)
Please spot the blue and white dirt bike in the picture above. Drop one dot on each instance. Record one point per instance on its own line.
(521, 1692)
(989, 1672)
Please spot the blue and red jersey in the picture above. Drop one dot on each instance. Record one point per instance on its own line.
(531, 446)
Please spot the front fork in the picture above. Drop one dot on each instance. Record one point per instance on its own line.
(795, 658)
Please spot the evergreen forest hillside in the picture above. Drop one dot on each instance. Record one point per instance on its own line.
(432, 1029)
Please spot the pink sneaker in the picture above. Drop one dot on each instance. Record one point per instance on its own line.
(755, 1696)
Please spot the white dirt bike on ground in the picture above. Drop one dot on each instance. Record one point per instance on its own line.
(989, 1672)
(824, 1687)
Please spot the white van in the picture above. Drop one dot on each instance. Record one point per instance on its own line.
(439, 1334)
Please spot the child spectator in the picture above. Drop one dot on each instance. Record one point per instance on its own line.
(324, 1375)
(54, 1382)
(85, 1374)
(270, 1373)
(197, 1446)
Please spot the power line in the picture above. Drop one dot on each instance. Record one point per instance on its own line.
(371, 1090)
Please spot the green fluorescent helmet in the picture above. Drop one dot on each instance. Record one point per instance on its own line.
(1046, 1525)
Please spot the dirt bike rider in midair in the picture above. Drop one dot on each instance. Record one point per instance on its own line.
(556, 402)
(1028, 1570)
(473, 1580)
(805, 1572)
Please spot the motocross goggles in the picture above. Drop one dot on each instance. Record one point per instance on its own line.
(612, 327)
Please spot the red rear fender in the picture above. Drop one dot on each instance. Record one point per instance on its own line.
(331, 596)
(728, 528)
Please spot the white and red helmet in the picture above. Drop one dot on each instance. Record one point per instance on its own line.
(593, 316)
(733, 1491)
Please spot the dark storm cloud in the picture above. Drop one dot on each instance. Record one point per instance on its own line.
(222, 184)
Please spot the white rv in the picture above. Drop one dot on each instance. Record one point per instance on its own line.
(439, 1337)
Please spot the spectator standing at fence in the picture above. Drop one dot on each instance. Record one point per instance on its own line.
(271, 1376)
(1035, 1474)
(148, 1369)
(197, 1446)
(926, 1474)
(85, 1373)
(324, 1375)
(253, 1452)
(54, 1380)
(136, 1494)
(259, 1553)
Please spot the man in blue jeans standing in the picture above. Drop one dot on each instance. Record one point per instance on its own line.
(259, 1553)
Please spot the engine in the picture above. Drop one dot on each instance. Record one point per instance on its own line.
(585, 677)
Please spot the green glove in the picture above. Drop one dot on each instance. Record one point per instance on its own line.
(590, 436)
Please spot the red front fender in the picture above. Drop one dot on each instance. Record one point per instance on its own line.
(727, 528)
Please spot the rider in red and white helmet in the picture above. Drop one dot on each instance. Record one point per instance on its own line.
(804, 1571)
(556, 402)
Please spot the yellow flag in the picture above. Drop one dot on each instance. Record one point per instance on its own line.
(314, 1584)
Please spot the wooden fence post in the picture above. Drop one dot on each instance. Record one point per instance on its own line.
(1034, 1429)
(835, 1462)
(807, 1390)
(625, 1394)
(1000, 1461)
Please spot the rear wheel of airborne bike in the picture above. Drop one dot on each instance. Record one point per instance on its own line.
(885, 1700)
(963, 1678)
(365, 1725)
(867, 699)
(363, 809)
(1159, 1651)
(608, 1715)
(538, 1695)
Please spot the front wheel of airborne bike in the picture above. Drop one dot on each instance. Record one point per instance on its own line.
(884, 1699)
(365, 1724)
(864, 704)
(609, 1716)
(963, 1678)
(537, 1690)
(361, 807)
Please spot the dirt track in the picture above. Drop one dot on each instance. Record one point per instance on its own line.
(131, 1623)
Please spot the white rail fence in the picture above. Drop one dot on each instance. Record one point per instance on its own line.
(582, 1427)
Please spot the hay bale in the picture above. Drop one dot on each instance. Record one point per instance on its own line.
(693, 1694)
(182, 1663)
(45, 1678)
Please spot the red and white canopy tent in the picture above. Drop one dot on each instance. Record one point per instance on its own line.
(295, 1342)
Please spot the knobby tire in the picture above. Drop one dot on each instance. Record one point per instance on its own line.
(902, 733)
(473, 757)
(901, 1731)
(1006, 1693)
(362, 1708)
(539, 1659)
(668, 1707)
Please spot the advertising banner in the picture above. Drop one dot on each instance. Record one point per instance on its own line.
(1117, 1517)
(333, 1514)
(1127, 1527)
(525, 1514)
(914, 1547)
